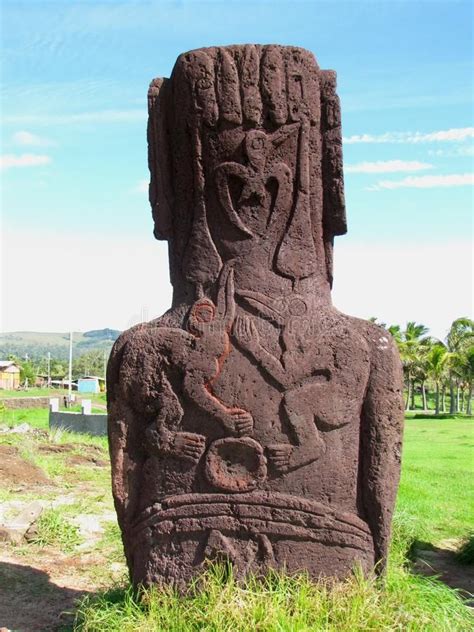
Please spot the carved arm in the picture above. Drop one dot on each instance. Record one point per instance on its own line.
(381, 436)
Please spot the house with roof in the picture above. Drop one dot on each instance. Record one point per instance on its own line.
(91, 384)
(9, 375)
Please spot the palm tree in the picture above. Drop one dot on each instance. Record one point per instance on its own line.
(436, 365)
(412, 342)
(469, 373)
(422, 370)
(458, 340)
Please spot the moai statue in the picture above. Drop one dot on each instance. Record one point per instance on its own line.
(253, 422)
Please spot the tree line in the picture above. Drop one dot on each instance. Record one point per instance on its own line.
(89, 363)
(446, 367)
(435, 371)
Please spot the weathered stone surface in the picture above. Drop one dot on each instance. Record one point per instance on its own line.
(15, 528)
(253, 421)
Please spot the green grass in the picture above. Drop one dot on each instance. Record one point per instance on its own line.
(33, 392)
(279, 603)
(97, 398)
(54, 530)
(434, 502)
(437, 471)
(35, 417)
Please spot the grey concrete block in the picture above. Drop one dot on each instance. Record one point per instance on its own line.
(77, 422)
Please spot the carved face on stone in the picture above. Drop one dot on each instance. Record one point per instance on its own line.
(201, 316)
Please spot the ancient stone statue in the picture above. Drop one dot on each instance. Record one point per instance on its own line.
(253, 422)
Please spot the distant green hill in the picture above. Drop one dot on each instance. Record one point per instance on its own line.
(37, 344)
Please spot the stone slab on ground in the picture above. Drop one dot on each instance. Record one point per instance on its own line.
(14, 529)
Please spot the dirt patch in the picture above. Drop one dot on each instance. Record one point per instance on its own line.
(56, 448)
(42, 594)
(441, 561)
(81, 459)
(89, 454)
(24, 588)
(17, 473)
(40, 585)
(61, 448)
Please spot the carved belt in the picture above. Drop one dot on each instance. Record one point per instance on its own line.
(270, 513)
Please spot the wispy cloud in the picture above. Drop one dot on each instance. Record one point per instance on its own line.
(454, 152)
(456, 134)
(387, 166)
(104, 116)
(425, 182)
(28, 139)
(24, 160)
(141, 186)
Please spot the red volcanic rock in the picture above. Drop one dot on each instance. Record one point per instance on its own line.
(253, 421)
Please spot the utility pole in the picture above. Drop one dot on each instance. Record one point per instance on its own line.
(26, 379)
(70, 368)
(49, 369)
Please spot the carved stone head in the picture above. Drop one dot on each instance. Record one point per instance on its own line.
(246, 164)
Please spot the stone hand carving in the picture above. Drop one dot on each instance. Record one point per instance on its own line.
(253, 421)
(211, 325)
(309, 444)
(161, 435)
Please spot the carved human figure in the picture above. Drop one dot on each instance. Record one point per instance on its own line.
(199, 354)
(253, 420)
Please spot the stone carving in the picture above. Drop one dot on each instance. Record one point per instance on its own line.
(253, 421)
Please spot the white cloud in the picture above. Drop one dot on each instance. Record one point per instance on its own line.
(24, 160)
(140, 273)
(456, 134)
(27, 138)
(377, 279)
(387, 166)
(425, 182)
(141, 186)
(104, 116)
(371, 279)
(461, 150)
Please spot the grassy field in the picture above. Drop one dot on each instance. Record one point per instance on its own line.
(100, 398)
(32, 392)
(438, 470)
(67, 561)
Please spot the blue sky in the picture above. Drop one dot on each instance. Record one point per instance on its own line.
(75, 76)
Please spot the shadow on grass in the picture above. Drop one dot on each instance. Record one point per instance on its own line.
(30, 602)
(443, 563)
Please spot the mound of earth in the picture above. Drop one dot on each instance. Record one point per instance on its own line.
(81, 459)
(16, 472)
(90, 454)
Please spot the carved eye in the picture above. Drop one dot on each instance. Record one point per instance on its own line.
(257, 143)
(204, 83)
(203, 313)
